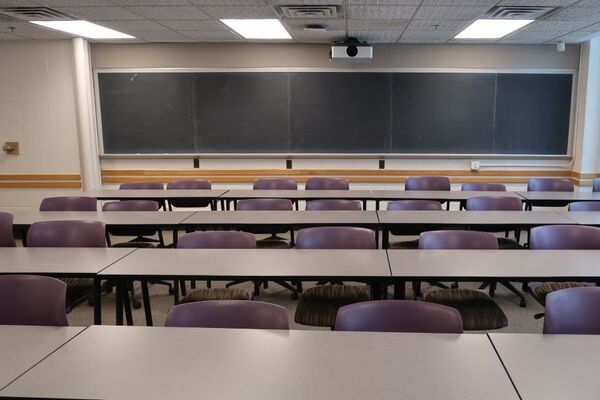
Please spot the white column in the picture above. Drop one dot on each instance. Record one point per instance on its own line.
(587, 146)
(86, 116)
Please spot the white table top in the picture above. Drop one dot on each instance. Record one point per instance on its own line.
(551, 367)
(470, 218)
(583, 217)
(241, 218)
(162, 363)
(252, 262)
(21, 347)
(561, 196)
(436, 194)
(542, 264)
(113, 218)
(58, 260)
(297, 194)
(153, 194)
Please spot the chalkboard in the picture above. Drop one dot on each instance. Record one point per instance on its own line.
(375, 113)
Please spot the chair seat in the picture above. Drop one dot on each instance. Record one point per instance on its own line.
(509, 244)
(215, 294)
(405, 245)
(318, 305)
(137, 245)
(477, 310)
(539, 290)
(272, 244)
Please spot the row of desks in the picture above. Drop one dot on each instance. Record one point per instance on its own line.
(400, 222)
(374, 267)
(102, 362)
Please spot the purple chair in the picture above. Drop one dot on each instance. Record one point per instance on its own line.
(398, 316)
(584, 206)
(69, 234)
(215, 240)
(275, 184)
(318, 305)
(477, 310)
(273, 242)
(7, 237)
(191, 202)
(320, 183)
(230, 314)
(145, 186)
(407, 205)
(333, 204)
(482, 187)
(596, 185)
(32, 300)
(140, 233)
(549, 185)
(573, 311)
(69, 203)
(427, 183)
(560, 237)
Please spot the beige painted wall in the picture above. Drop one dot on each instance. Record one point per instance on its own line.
(37, 108)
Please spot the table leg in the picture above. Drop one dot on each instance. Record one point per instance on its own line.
(118, 304)
(97, 302)
(175, 236)
(176, 291)
(385, 237)
(127, 305)
(399, 290)
(376, 237)
(364, 203)
(146, 299)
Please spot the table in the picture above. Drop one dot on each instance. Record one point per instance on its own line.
(439, 195)
(490, 220)
(551, 367)
(22, 347)
(163, 363)
(485, 265)
(295, 195)
(557, 199)
(591, 218)
(369, 266)
(158, 195)
(287, 219)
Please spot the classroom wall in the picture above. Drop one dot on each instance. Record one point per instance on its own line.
(37, 109)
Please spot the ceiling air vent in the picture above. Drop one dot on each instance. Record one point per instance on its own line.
(35, 14)
(517, 12)
(305, 12)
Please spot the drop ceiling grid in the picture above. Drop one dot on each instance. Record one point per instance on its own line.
(376, 21)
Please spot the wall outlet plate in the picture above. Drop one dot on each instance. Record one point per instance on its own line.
(11, 148)
(474, 165)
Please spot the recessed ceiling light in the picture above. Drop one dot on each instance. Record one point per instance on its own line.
(85, 29)
(258, 28)
(492, 28)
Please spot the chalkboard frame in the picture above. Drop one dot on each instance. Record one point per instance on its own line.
(567, 156)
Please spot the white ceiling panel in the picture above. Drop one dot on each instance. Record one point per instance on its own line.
(132, 26)
(162, 36)
(488, 3)
(192, 25)
(576, 14)
(555, 26)
(450, 12)
(377, 25)
(213, 36)
(381, 12)
(438, 24)
(99, 13)
(376, 37)
(164, 12)
(220, 12)
(385, 2)
(429, 35)
(579, 36)
(76, 3)
(130, 3)
(229, 2)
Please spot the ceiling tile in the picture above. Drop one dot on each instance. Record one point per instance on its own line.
(99, 13)
(578, 37)
(176, 12)
(438, 24)
(162, 36)
(75, 3)
(375, 37)
(450, 12)
(318, 37)
(132, 26)
(229, 2)
(385, 2)
(329, 24)
(576, 14)
(213, 36)
(377, 25)
(488, 3)
(6, 36)
(562, 3)
(381, 12)
(427, 35)
(151, 2)
(192, 25)
(17, 3)
(424, 41)
(546, 25)
(541, 36)
(241, 12)
(585, 3)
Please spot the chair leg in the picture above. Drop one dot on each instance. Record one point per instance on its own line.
(134, 302)
(182, 287)
(288, 287)
(161, 240)
(256, 291)
(492, 288)
(236, 282)
(509, 286)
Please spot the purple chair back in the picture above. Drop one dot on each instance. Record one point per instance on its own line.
(407, 205)
(66, 234)
(7, 238)
(217, 240)
(333, 204)
(493, 203)
(141, 186)
(482, 187)
(189, 185)
(398, 316)
(32, 300)
(131, 205)
(264, 204)
(427, 183)
(584, 206)
(575, 237)
(275, 184)
(573, 311)
(231, 314)
(550, 185)
(69, 203)
(596, 185)
(335, 237)
(465, 240)
(319, 183)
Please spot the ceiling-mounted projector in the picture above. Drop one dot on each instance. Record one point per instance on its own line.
(351, 49)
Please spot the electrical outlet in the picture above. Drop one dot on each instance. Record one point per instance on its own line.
(474, 165)
(11, 148)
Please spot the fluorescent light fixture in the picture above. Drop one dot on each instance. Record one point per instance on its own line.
(492, 28)
(258, 28)
(84, 28)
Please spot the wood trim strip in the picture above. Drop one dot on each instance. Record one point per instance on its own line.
(40, 177)
(33, 184)
(323, 172)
